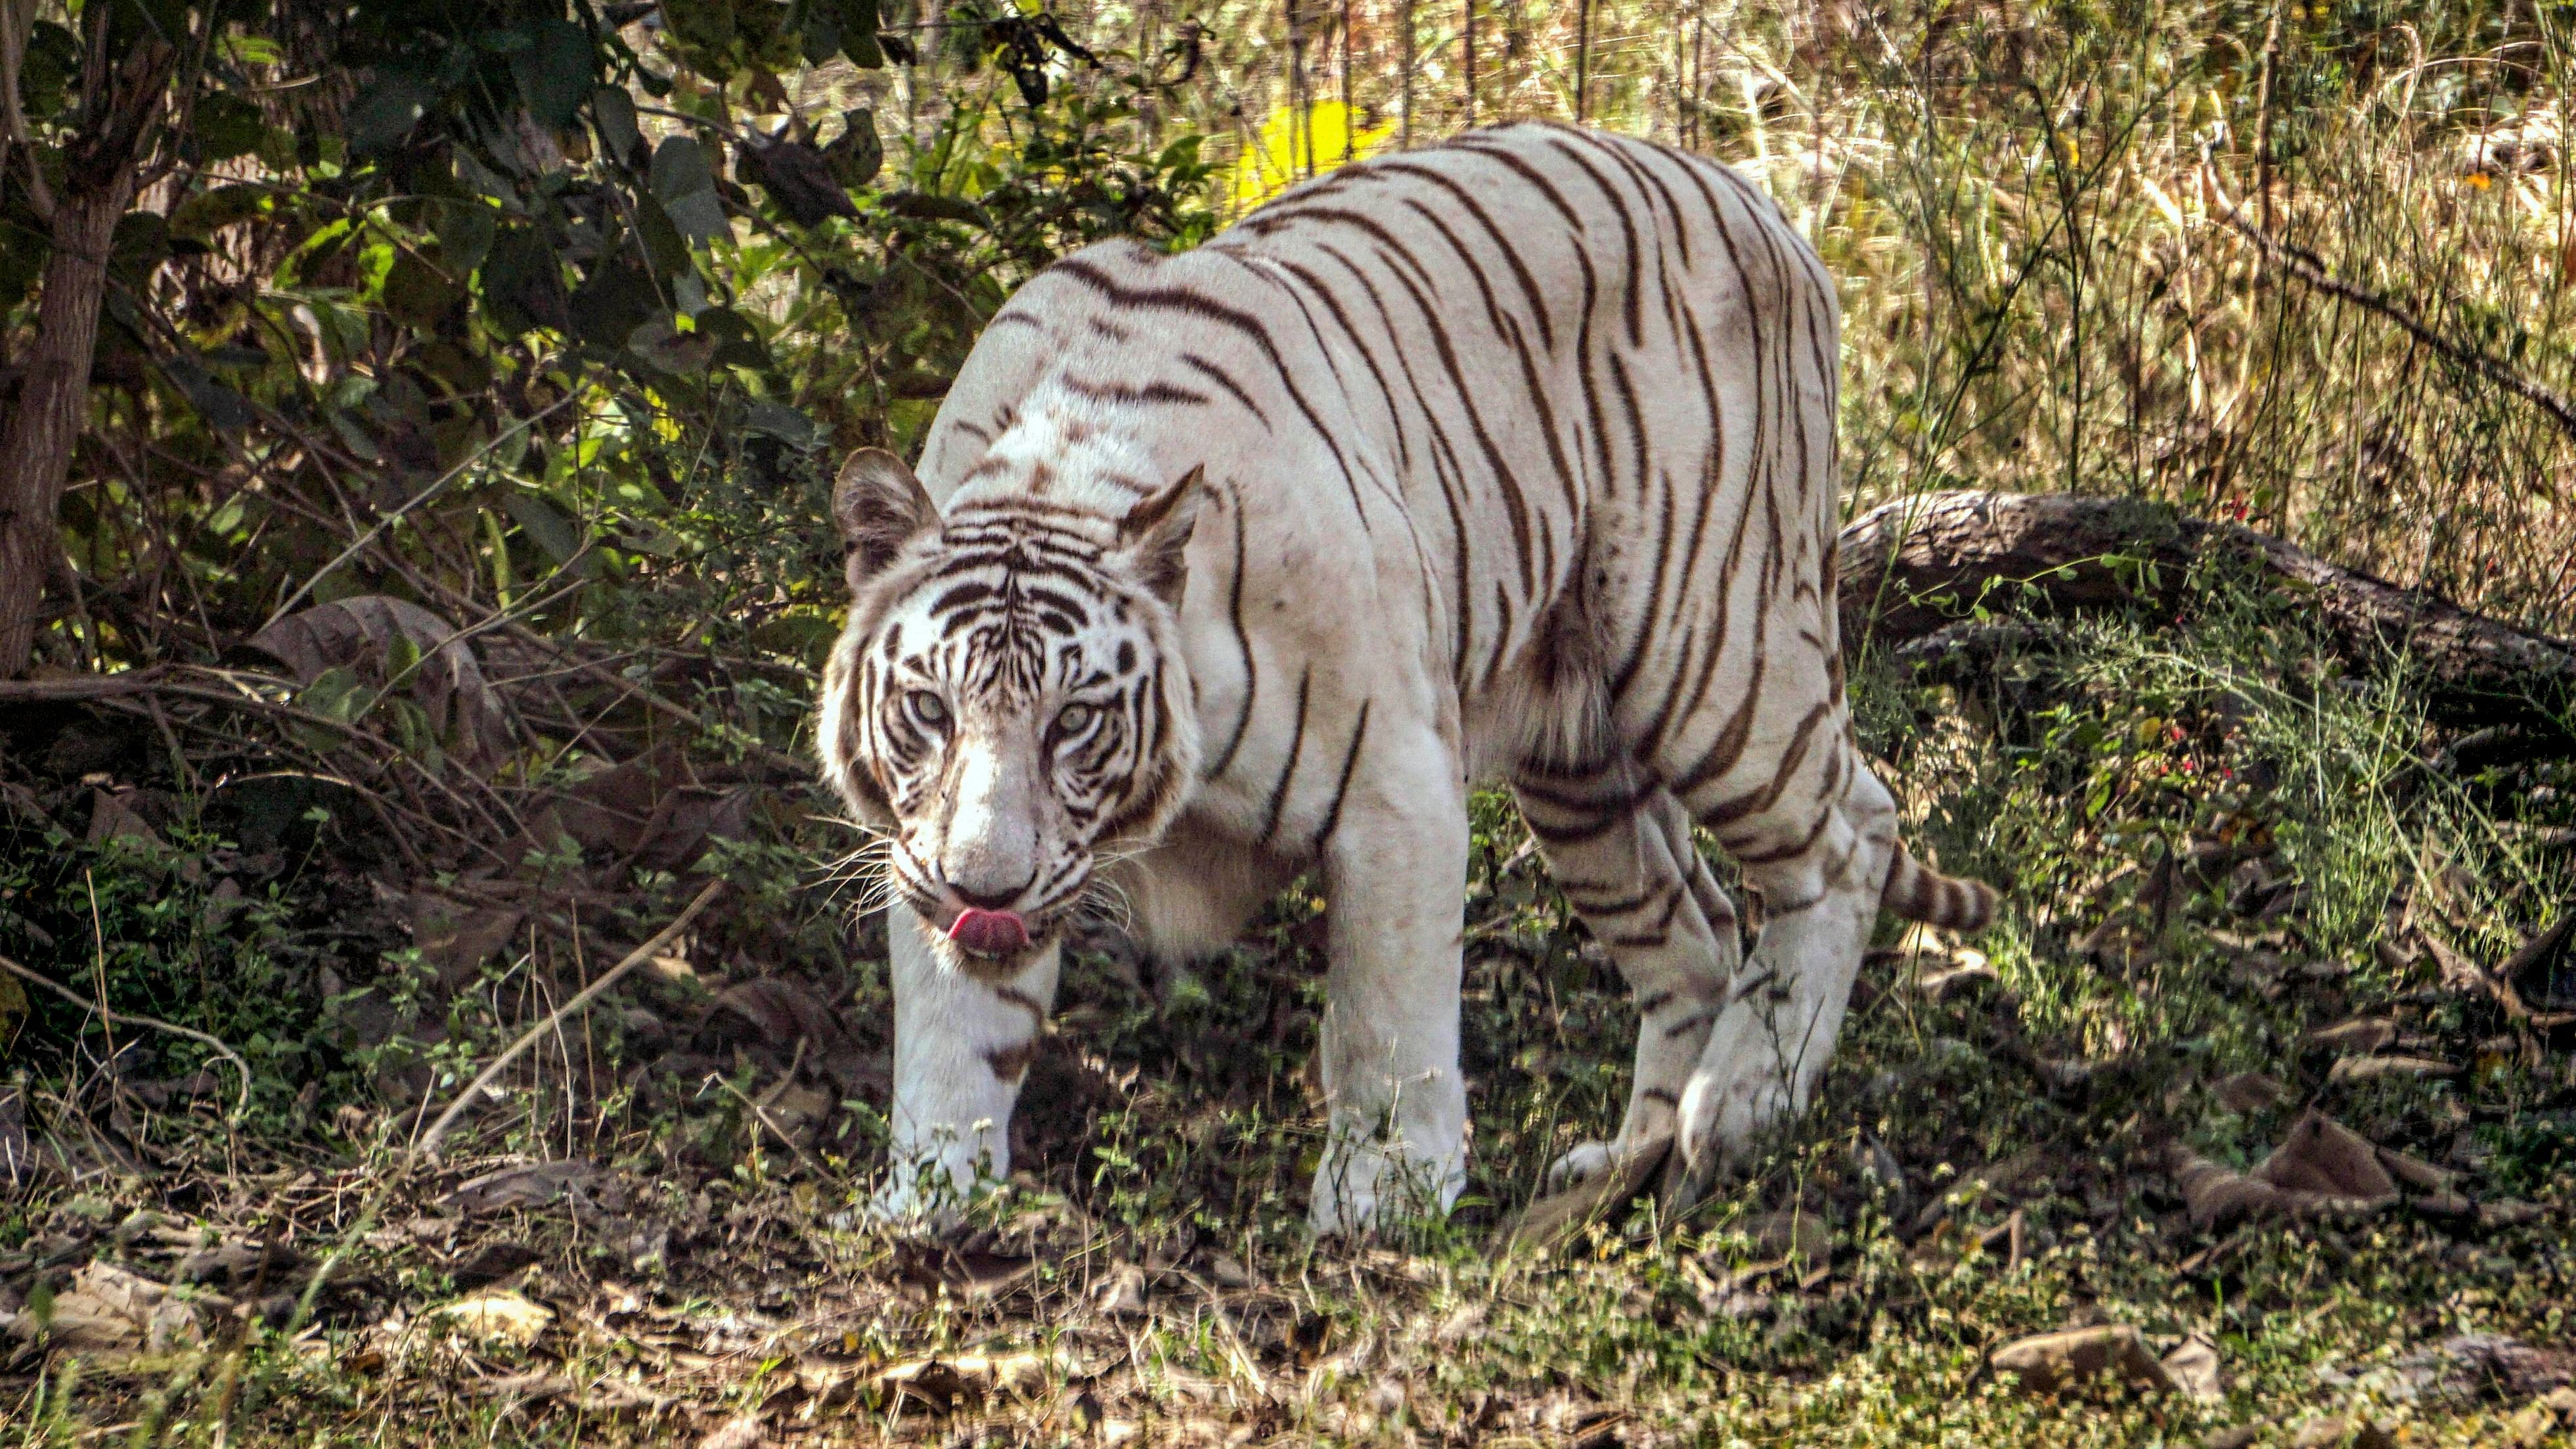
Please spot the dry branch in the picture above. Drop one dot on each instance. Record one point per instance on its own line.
(127, 1018)
(2309, 268)
(1916, 565)
(437, 1133)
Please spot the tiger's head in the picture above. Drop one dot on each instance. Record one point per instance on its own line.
(1008, 703)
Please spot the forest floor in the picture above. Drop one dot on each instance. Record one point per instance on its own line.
(2256, 918)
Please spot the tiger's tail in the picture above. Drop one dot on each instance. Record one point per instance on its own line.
(1917, 892)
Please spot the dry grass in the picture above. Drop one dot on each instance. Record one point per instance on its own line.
(2029, 206)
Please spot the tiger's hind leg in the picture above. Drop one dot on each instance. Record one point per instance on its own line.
(1818, 868)
(1623, 856)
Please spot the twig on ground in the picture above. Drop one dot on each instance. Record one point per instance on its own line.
(125, 1018)
(437, 1133)
(761, 1115)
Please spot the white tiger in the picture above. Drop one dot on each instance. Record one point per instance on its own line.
(1512, 459)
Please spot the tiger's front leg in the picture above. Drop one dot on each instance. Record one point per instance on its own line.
(1395, 864)
(963, 1038)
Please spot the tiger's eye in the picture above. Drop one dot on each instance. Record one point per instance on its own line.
(926, 707)
(1072, 718)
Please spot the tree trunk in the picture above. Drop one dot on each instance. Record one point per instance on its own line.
(121, 110)
(53, 407)
(1918, 565)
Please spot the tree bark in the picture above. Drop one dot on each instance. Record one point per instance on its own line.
(1915, 566)
(99, 170)
(53, 407)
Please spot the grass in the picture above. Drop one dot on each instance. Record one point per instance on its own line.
(1983, 1164)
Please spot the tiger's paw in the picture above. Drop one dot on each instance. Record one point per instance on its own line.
(1361, 1187)
(1585, 1162)
(928, 1196)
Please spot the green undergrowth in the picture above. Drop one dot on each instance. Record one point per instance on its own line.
(2211, 842)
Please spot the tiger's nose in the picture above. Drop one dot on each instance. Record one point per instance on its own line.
(989, 900)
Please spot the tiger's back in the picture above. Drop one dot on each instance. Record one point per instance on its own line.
(1520, 464)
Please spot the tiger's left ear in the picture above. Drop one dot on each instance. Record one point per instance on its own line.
(1155, 535)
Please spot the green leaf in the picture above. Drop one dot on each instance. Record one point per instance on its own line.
(353, 433)
(208, 212)
(402, 656)
(223, 407)
(856, 155)
(557, 73)
(704, 30)
(225, 125)
(685, 184)
(617, 299)
(385, 113)
(612, 115)
(416, 294)
(786, 424)
(806, 637)
(45, 75)
(664, 247)
(545, 521)
(465, 231)
(522, 283)
(336, 693)
(737, 345)
(859, 34)
(141, 245)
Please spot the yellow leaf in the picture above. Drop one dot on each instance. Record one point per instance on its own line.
(497, 1317)
(1320, 133)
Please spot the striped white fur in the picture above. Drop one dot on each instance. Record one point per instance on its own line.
(1519, 463)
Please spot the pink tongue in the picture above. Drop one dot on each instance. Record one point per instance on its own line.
(989, 933)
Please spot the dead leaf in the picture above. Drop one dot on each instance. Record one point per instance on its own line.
(743, 1431)
(360, 635)
(2248, 1092)
(963, 1271)
(490, 1263)
(2364, 1069)
(771, 1012)
(655, 810)
(456, 937)
(2467, 1367)
(115, 1314)
(1122, 1293)
(2194, 1368)
(496, 1317)
(2048, 1362)
(2533, 1424)
(963, 1380)
(2335, 1432)
(2509, 1213)
(17, 1158)
(2359, 1034)
(2322, 1168)
(1966, 969)
(526, 1186)
(2542, 972)
(1554, 1220)
(119, 815)
(241, 1265)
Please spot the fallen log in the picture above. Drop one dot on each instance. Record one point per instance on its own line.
(1919, 565)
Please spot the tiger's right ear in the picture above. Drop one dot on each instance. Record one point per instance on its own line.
(881, 507)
